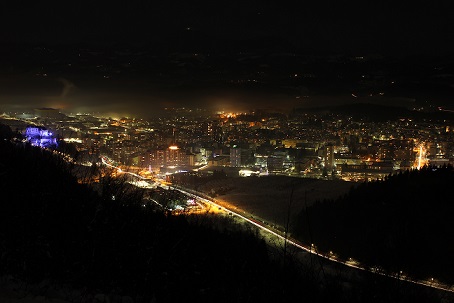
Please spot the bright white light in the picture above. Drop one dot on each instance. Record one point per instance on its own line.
(73, 140)
(247, 173)
(142, 184)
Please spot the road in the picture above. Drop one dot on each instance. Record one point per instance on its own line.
(312, 250)
(230, 210)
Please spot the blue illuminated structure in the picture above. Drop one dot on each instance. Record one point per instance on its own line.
(39, 136)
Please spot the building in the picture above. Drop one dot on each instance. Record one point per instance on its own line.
(366, 171)
(171, 156)
(218, 161)
(39, 136)
(275, 164)
(235, 156)
(328, 157)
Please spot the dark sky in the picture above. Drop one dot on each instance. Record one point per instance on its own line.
(315, 25)
(310, 27)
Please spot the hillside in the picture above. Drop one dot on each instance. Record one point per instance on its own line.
(54, 229)
(401, 224)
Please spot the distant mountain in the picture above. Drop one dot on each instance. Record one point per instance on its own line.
(380, 113)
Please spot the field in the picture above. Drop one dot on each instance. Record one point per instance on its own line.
(270, 198)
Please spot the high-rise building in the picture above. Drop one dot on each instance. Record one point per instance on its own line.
(235, 156)
(173, 156)
(275, 164)
(329, 157)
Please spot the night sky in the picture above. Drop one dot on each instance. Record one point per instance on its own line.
(316, 25)
(312, 28)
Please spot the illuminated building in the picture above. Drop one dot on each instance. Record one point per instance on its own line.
(291, 143)
(329, 157)
(156, 158)
(275, 164)
(39, 136)
(366, 171)
(173, 156)
(218, 161)
(235, 156)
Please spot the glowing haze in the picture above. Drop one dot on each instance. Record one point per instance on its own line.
(139, 102)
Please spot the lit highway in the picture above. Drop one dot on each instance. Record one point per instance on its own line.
(216, 207)
(312, 250)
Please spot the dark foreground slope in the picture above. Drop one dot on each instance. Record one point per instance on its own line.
(54, 231)
(404, 223)
(52, 228)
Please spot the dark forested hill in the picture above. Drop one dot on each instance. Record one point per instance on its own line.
(52, 228)
(402, 223)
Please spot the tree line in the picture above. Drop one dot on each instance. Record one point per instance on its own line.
(402, 223)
